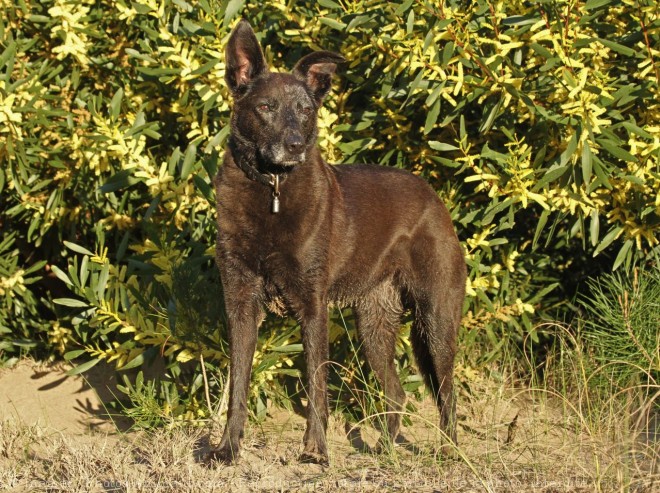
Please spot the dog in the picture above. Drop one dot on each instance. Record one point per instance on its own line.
(298, 233)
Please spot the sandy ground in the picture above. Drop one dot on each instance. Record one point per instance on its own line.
(54, 436)
(33, 394)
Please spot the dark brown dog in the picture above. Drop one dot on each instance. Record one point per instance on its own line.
(297, 233)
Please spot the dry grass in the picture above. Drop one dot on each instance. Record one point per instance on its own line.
(511, 440)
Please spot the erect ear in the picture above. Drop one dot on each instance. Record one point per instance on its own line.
(244, 59)
(316, 70)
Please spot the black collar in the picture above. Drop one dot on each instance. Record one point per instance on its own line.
(253, 173)
(271, 180)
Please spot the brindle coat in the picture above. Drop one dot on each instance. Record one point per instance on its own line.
(374, 238)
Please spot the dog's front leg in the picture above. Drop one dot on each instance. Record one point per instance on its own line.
(315, 345)
(244, 315)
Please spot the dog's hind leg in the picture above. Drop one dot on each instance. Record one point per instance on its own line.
(379, 320)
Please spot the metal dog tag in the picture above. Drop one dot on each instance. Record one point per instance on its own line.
(275, 183)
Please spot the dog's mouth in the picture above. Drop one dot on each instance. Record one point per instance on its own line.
(280, 157)
(289, 162)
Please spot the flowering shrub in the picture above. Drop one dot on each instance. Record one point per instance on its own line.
(536, 122)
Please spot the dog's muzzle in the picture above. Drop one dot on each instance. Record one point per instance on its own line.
(285, 155)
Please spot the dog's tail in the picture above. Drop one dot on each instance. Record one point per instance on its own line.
(433, 338)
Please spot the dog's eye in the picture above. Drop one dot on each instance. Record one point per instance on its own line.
(307, 110)
(264, 107)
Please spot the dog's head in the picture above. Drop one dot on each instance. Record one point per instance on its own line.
(275, 114)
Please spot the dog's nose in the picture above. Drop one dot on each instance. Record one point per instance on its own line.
(294, 144)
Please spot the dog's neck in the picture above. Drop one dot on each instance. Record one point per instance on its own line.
(267, 174)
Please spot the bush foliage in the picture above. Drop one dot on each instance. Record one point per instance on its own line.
(537, 122)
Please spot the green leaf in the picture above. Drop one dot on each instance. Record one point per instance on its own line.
(569, 151)
(121, 179)
(232, 8)
(134, 363)
(609, 238)
(83, 367)
(74, 354)
(601, 173)
(624, 50)
(204, 188)
(77, 248)
(594, 229)
(447, 53)
(329, 4)
(432, 117)
(289, 348)
(586, 163)
(402, 8)
(188, 160)
(624, 254)
(616, 151)
(441, 146)
(540, 227)
(103, 280)
(35, 267)
(334, 24)
(73, 303)
(84, 270)
(520, 20)
(61, 275)
(594, 4)
(410, 24)
(9, 52)
(541, 294)
(492, 115)
(115, 104)
(554, 173)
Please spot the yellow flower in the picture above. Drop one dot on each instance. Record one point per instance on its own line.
(13, 283)
(70, 29)
(9, 117)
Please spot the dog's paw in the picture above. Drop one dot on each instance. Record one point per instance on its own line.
(222, 455)
(314, 453)
(308, 457)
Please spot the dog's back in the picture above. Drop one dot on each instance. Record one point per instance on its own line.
(393, 226)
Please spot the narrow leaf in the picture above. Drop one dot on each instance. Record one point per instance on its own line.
(594, 229)
(609, 238)
(623, 254)
(77, 248)
(586, 163)
(61, 275)
(115, 104)
(188, 160)
(84, 367)
(232, 9)
(103, 280)
(432, 117)
(539, 227)
(73, 354)
(334, 24)
(73, 303)
(441, 146)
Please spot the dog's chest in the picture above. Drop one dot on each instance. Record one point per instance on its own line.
(275, 246)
